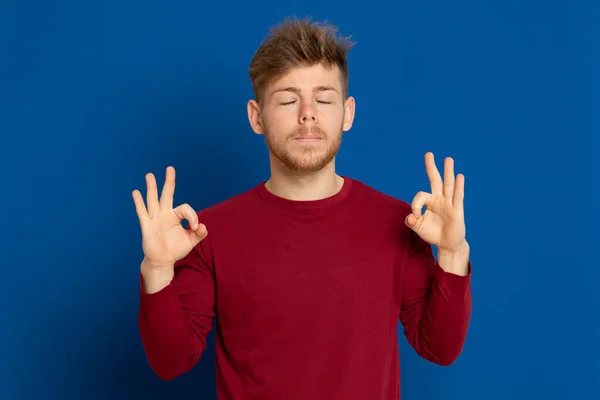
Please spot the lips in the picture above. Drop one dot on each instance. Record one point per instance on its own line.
(309, 135)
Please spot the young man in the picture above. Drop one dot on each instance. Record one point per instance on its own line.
(308, 273)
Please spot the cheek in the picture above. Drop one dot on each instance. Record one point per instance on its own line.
(283, 118)
(280, 127)
(332, 118)
(279, 115)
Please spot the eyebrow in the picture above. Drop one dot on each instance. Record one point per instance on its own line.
(297, 90)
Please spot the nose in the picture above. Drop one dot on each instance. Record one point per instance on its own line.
(307, 114)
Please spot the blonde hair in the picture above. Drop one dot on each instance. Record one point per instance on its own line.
(298, 42)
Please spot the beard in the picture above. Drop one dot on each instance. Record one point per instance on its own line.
(304, 158)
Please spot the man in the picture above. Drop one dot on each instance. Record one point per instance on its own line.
(308, 273)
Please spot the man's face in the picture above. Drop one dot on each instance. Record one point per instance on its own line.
(303, 117)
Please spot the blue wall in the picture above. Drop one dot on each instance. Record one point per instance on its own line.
(95, 94)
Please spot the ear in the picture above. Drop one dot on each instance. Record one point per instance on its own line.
(255, 117)
(349, 107)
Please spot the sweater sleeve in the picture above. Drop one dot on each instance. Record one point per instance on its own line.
(175, 322)
(435, 305)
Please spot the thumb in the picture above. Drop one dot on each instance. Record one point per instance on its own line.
(411, 221)
(198, 234)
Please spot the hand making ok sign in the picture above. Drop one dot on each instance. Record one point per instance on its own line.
(443, 222)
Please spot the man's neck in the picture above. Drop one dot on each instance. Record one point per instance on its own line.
(313, 186)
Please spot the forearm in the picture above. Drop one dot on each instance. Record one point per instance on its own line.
(444, 323)
(441, 319)
(170, 344)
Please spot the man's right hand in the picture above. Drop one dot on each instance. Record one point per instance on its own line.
(164, 240)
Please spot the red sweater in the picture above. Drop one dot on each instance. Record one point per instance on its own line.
(307, 297)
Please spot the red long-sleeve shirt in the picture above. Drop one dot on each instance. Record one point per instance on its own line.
(307, 296)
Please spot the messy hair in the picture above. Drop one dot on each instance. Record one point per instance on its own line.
(298, 42)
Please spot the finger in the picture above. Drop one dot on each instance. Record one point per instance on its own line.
(434, 175)
(185, 211)
(412, 222)
(459, 192)
(168, 191)
(448, 178)
(151, 195)
(140, 207)
(420, 200)
(200, 233)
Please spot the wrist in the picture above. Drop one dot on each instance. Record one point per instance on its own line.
(155, 279)
(455, 261)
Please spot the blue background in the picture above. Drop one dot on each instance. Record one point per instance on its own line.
(95, 94)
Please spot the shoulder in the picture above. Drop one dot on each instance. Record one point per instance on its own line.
(227, 220)
(376, 198)
(231, 206)
(381, 213)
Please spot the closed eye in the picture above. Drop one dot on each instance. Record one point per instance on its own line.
(293, 101)
(288, 103)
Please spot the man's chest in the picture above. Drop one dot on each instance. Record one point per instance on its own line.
(289, 281)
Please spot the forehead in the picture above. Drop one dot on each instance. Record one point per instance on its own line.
(308, 77)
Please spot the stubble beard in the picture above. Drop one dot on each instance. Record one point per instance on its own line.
(307, 158)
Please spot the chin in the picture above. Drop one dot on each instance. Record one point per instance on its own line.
(303, 158)
(306, 163)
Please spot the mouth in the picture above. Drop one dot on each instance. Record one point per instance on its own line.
(308, 139)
